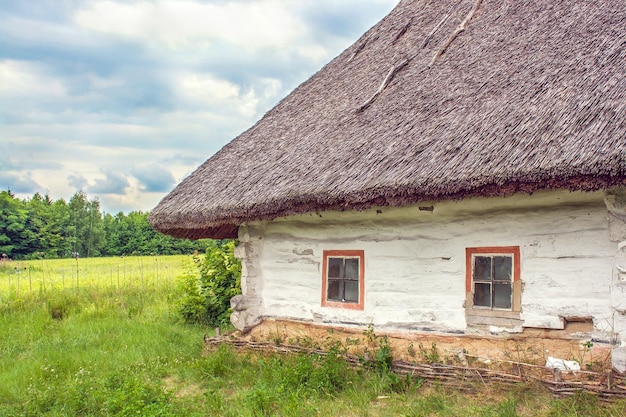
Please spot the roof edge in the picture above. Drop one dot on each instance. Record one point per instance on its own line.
(222, 228)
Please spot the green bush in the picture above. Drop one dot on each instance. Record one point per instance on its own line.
(209, 284)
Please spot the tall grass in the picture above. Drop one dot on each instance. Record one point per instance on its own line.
(18, 278)
(91, 336)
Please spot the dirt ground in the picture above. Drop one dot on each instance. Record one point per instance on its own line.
(533, 346)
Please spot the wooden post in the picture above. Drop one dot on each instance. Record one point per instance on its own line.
(517, 370)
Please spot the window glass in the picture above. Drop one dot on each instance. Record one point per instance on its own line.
(351, 291)
(482, 294)
(335, 267)
(502, 295)
(482, 268)
(352, 268)
(502, 268)
(334, 290)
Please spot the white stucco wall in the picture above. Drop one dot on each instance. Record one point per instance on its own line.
(415, 260)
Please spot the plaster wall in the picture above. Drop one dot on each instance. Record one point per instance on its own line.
(415, 261)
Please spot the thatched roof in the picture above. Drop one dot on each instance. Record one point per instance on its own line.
(530, 95)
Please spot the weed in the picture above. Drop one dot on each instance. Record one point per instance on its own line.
(215, 402)
(304, 341)
(507, 408)
(431, 404)
(377, 354)
(411, 350)
(580, 404)
(352, 342)
(61, 303)
(219, 362)
(586, 348)
(277, 337)
(129, 394)
(262, 399)
(430, 355)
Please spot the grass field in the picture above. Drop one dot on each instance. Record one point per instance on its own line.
(103, 348)
(21, 277)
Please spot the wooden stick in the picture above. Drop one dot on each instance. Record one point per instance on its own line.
(456, 32)
(461, 377)
(392, 72)
(436, 28)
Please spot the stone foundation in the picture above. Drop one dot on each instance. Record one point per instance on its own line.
(532, 346)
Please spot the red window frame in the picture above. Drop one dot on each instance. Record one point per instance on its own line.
(360, 254)
(494, 250)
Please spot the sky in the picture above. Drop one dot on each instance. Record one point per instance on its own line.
(123, 99)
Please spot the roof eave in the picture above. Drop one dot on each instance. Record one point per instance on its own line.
(219, 229)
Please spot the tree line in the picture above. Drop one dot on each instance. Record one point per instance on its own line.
(39, 227)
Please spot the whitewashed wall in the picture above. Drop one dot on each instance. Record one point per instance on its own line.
(415, 260)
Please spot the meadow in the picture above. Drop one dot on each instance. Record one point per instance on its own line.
(18, 278)
(103, 337)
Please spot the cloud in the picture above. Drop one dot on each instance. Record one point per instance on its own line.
(182, 24)
(112, 183)
(154, 178)
(18, 183)
(77, 181)
(125, 98)
(8, 164)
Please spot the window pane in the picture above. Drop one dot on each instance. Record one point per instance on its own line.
(482, 268)
(352, 291)
(502, 268)
(335, 267)
(502, 295)
(352, 269)
(482, 295)
(334, 290)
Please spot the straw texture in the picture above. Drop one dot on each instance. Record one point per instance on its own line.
(439, 100)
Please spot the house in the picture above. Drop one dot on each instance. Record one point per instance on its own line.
(459, 170)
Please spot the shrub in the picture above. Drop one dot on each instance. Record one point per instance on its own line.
(377, 354)
(208, 286)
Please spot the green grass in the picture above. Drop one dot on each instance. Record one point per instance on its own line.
(104, 350)
(18, 278)
(105, 355)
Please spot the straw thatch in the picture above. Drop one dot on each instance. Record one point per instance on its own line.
(439, 100)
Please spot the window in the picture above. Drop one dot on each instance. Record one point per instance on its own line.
(343, 279)
(493, 278)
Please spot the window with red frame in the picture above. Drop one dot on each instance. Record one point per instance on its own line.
(491, 276)
(343, 279)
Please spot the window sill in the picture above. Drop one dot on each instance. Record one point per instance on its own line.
(476, 317)
(486, 312)
(346, 306)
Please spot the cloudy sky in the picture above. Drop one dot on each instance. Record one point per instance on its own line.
(123, 99)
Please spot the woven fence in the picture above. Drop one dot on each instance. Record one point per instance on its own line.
(607, 386)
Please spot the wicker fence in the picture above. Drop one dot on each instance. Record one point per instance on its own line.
(607, 386)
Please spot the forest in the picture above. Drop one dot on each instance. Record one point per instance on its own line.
(40, 227)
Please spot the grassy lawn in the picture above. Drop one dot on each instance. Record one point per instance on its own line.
(108, 350)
